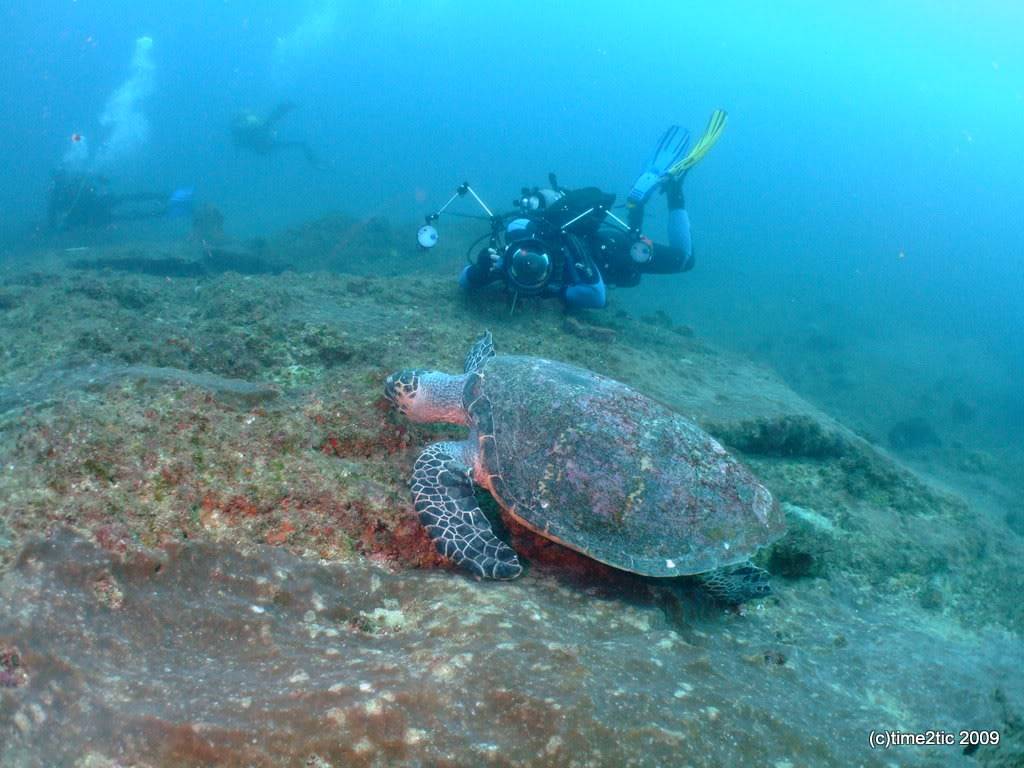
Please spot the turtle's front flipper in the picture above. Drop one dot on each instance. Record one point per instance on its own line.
(443, 495)
(481, 351)
(737, 583)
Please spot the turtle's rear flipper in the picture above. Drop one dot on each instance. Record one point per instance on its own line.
(737, 583)
(443, 496)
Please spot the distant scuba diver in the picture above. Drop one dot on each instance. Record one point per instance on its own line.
(83, 200)
(568, 243)
(258, 134)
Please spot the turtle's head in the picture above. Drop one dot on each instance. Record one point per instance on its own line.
(426, 396)
(401, 389)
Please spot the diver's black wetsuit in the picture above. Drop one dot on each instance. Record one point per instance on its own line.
(84, 201)
(613, 252)
(259, 135)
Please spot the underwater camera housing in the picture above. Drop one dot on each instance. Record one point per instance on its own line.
(530, 244)
(529, 265)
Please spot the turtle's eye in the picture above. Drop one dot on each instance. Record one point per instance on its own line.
(401, 387)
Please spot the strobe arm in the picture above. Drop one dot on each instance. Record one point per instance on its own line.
(427, 235)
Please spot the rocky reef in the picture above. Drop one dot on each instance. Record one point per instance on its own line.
(203, 494)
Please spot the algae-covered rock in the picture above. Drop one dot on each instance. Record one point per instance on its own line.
(1009, 752)
(661, 319)
(194, 654)
(931, 595)
(5, 535)
(1015, 520)
(786, 436)
(327, 345)
(805, 549)
(8, 300)
(182, 424)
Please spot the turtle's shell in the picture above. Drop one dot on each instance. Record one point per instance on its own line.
(591, 463)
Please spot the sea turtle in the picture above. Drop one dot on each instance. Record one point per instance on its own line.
(588, 462)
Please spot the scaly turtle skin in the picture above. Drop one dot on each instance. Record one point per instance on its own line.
(585, 461)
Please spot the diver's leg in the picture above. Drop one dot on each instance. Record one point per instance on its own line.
(635, 216)
(677, 255)
(138, 206)
(138, 197)
(679, 222)
(306, 150)
(278, 112)
(678, 218)
(311, 157)
(277, 145)
(138, 215)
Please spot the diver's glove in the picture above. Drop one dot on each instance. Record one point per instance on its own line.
(670, 150)
(489, 260)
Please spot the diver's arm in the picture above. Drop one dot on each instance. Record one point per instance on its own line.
(472, 277)
(486, 269)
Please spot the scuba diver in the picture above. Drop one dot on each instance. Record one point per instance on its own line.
(569, 243)
(83, 200)
(259, 134)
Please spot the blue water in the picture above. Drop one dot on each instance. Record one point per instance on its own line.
(869, 178)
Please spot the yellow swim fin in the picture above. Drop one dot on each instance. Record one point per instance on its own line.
(704, 144)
